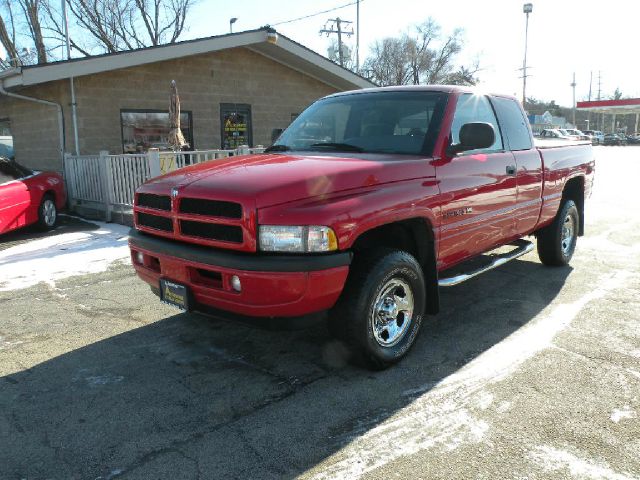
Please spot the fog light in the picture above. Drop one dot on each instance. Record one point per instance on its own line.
(140, 258)
(235, 283)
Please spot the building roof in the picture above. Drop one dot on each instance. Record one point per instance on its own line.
(624, 105)
(265, 41)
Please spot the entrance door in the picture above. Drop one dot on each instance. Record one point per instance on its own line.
(235, 125)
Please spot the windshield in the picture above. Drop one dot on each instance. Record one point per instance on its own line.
(378, 122)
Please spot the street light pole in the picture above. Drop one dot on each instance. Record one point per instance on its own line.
(358, 36)
(527, 9)
(573, 85)
(231, 22)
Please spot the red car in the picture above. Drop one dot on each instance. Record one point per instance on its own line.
(29, 197)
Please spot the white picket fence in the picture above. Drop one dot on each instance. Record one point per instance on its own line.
(107, 183)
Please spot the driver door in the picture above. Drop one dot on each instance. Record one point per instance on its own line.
(478, 188)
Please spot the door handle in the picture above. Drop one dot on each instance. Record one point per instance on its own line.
(511, 169)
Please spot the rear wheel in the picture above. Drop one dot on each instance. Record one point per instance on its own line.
(380, 311)
(47, 213)
(557, 242)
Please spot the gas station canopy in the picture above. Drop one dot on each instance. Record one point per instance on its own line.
(627, 106)
(623, 106)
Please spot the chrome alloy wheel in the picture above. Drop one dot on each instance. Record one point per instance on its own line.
(567, 239)
(49, 212)
(391, 313)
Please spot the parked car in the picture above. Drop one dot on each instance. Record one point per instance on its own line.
(577, 133)
(598, 136)
(569, 135)
(368, 222)
(613, 139)
(633, 139)
(28, 197)
(554, 133)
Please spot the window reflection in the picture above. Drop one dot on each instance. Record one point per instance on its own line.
(145, 129)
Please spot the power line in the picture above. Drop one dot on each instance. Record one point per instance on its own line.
(315, 14)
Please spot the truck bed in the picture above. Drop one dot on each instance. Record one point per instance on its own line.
(543, 143)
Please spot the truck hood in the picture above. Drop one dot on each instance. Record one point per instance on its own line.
(274, 179)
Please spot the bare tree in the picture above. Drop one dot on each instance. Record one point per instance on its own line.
(9, 44)
(348, 57)
(96, 26)
(117, 25)
(421, 56)
(31, 10)
(388, 63)
(164, 20)
(26, 21)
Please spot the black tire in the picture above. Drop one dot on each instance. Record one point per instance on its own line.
(557, 242)
(383, 284)
(47, 213)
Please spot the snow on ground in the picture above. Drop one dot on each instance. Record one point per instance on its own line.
(60, 256)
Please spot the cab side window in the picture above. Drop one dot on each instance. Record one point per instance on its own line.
(475, 108)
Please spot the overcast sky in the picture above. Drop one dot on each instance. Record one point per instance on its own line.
(565, 36)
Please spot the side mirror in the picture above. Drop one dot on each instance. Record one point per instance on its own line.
(473, 136)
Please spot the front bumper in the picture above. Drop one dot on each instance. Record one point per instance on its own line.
(272, 285)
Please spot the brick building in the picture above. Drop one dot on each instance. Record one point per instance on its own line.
(234, 89)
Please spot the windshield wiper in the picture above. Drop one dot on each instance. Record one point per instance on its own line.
(277, 148)
(338, 147)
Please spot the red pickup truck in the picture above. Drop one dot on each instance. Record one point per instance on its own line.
(362, 207)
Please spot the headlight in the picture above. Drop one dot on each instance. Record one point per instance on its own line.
(300, 239)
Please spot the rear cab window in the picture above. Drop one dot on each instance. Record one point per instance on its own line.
(515, 126)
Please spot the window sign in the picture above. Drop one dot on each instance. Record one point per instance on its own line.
(145, 129)
(235, 120)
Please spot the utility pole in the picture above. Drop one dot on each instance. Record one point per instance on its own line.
(527, 9)
(335, 26)
(599, 98)
(589, 111)
(573, 85)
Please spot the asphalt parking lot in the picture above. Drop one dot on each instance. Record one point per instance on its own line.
(529, 372)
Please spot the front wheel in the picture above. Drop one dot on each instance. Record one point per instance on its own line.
(47, 213)
(380, 311)
(557, 242)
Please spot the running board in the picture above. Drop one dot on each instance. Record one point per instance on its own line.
(522, 247)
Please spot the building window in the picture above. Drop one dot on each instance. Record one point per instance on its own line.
(145, 129)
(6, 140)
(5, 127)
(235, 125)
